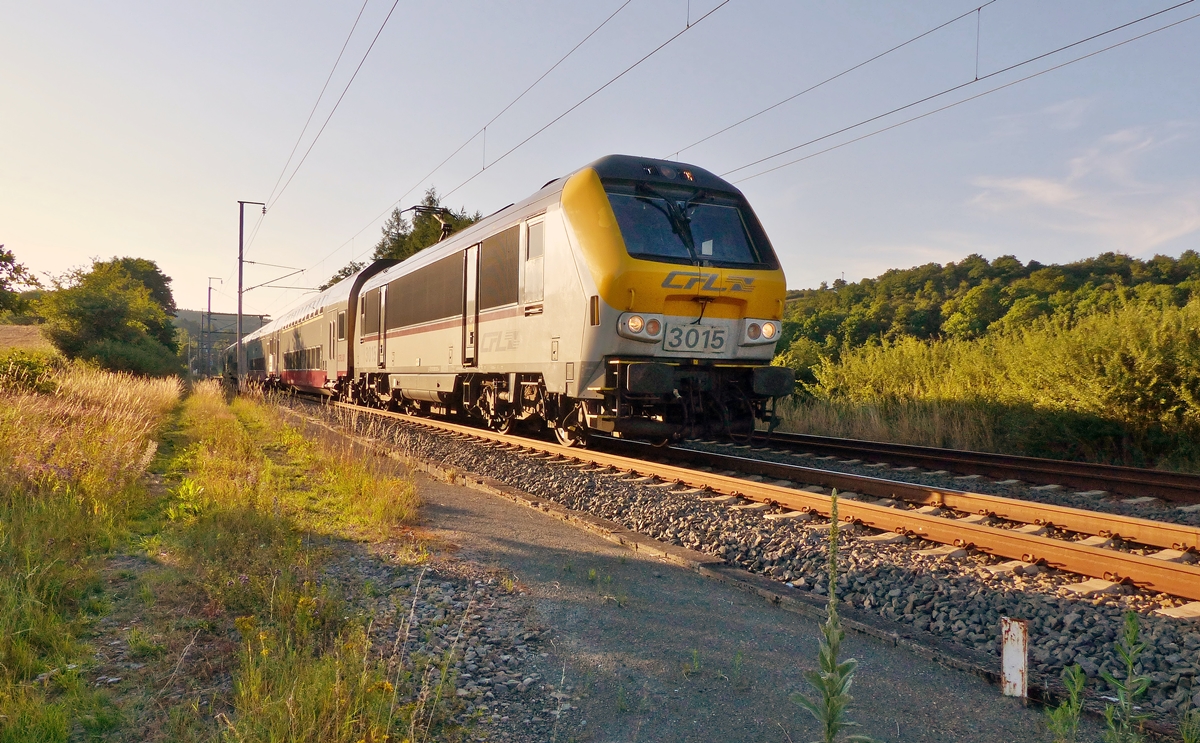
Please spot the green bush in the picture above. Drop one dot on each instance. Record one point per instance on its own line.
(1118, 385)
(28, 371)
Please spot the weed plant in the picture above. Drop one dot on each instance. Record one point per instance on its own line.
(833, 677)
(1063, 720)
(1123, 721)
(1118, 386)
(1189, 726)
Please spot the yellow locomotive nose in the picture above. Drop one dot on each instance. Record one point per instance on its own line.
(630, 279)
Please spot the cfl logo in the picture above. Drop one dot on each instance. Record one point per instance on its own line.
(706, 282)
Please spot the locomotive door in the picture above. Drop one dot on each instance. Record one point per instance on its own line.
(331, 355)
(382, 333)
(470, 305)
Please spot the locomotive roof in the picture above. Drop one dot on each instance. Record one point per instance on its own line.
(614, 167)
(617, 167)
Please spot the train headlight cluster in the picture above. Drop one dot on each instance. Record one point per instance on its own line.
(759, 332)
(640, 327)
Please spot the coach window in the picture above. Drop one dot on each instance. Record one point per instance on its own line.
(535, 251)
(341, 326)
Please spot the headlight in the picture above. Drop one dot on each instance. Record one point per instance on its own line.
(768, 330)
(637, 326)
(754, 331)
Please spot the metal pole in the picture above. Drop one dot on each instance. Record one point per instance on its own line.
(208, 361)
(241, 365)
(241, 351)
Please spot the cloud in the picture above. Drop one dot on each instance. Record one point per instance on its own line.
(1102, 194)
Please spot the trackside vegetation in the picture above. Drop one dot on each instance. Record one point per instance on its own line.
(77, 443)
(163, 564)
(1096, 360)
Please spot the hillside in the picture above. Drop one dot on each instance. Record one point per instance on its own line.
(974, 297)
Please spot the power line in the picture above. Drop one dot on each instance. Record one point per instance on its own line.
(960, 86)
(481, 130)
(966, 100)
(827, 80)
(335, 106)
(317, 102)
(595, 92)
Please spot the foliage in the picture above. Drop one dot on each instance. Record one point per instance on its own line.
(344, 272)
(13, 275)
(1189, 725)
(110, 317)
(402, 238)
(28, 371)
(832, 680)
(1119, 385)
(66, 495)
(1063, 720)
(1123, 722)
(255, 488)
(973, 297)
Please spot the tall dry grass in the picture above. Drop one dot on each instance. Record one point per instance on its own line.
(1120, 386)
(75, 443)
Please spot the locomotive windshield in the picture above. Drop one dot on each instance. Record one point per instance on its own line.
(689, 226)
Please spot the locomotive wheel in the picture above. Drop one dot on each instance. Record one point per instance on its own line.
(503, 425)
(572, 430)
(741, 418)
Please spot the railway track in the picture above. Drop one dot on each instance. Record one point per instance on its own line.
(1106, 548)
(1178, 487)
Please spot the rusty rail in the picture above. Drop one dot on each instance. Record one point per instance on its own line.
(1176, 579)
(1181, 487)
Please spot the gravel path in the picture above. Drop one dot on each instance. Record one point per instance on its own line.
(956, 599)
(648, 651)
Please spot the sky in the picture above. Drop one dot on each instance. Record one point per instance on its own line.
(133, 128)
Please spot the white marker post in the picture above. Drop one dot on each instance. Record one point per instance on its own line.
(1014, 676)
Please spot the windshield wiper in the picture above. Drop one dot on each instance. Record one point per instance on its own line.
(678, 217)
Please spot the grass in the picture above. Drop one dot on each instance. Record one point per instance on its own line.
(67, 494)
(217, 573)
(1116, 386)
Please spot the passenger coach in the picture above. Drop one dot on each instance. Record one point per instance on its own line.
(634, 297)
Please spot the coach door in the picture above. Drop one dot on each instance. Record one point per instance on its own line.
(382, 324)
(470, 305)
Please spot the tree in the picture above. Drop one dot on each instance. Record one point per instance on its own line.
(159, 284)
(109, 317)
(12, 276)
(345, 271)
(402, 238)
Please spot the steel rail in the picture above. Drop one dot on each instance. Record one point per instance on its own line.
(1142, 531)
(1175, 486)
(1172, 578)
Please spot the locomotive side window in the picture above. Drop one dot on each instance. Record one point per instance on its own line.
(371, 312)
(498, 266)
(535, 249)
(430, 293)
(341, 326)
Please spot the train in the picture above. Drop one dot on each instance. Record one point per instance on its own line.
(634, 297)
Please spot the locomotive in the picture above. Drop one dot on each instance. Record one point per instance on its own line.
(634, 297)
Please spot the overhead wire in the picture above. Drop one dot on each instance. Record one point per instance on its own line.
(593, 94)
(346, 89)
(830, 79)
(317, 102)
(960, 86)
(472, 138)
(967, 100)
